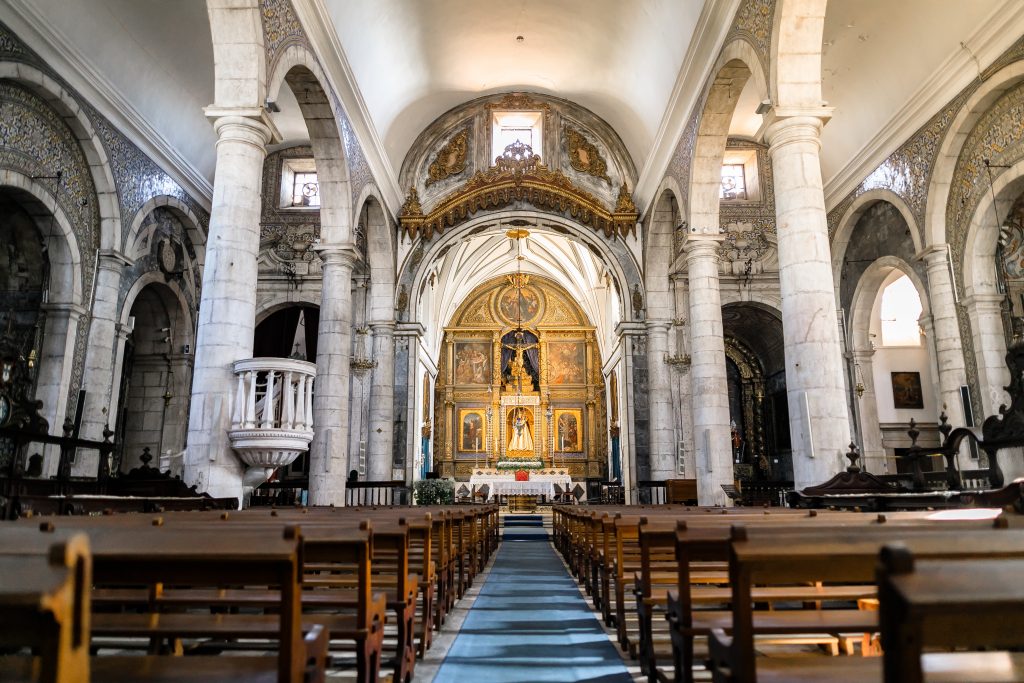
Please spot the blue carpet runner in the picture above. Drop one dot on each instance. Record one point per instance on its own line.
(530, 624)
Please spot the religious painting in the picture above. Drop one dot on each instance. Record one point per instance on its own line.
(519, 305)
(472, 363)
(567, 362)
(569, 431)
(472, 437)
(906, 390)
(519, 432)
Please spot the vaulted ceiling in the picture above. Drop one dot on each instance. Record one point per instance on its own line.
(887, 67)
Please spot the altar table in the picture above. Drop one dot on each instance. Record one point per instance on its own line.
(506, 484)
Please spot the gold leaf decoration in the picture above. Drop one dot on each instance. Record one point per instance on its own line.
(451, 159)
(584, 155)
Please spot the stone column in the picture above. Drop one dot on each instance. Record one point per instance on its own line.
(98, 378)
(227, 309)
(56, 361)
(328, 457)
(949, 354)
(818, 415)
(382, 403)
(662, 448)
(985, 311)
(873, 452)
(707, 371)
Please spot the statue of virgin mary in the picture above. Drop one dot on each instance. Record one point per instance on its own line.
(522, 440)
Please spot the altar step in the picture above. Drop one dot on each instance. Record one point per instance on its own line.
(523, 521)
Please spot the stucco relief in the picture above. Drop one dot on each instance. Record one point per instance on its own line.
(164, 247)
(749, 226)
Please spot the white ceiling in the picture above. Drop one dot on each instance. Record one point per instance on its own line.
(412, 60)
(877, 54)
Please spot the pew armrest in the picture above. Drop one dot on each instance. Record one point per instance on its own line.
(317, 642)
(720, 655)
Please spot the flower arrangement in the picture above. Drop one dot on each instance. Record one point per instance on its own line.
(520, 465)
(434, 492)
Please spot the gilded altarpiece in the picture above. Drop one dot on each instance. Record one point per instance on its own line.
(534, 399)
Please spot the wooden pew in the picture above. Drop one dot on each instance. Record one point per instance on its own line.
(44, 605)
(129, 556)
(950, 604)
(761, 557)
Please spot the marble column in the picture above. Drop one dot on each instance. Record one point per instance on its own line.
(382, 403)
(227, 309)
(818, 415)
(54, 367)
(328, 456)
(662, 447)
(985, 312)
(98, 378)
(949, 354)
(872, 453)
(710, 389)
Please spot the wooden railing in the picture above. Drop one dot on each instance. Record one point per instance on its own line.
(377, 493)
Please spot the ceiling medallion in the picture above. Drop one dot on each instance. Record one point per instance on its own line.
(518, 176)
(450, 159)
(584, 155)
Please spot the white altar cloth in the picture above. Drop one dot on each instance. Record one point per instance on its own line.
(506, 484)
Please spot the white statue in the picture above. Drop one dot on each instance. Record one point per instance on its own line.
(522, 440)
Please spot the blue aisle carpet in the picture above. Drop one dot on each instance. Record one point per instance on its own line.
(529, 624)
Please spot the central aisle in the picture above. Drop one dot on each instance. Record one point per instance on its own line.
(530, 623)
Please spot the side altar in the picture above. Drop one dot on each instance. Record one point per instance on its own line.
(519, 384)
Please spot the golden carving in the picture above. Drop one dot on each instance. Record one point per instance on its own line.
(519, 176)
(519, 102)
(584, 155)
(450, 160)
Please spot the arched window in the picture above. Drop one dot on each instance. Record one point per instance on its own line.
(901, 308)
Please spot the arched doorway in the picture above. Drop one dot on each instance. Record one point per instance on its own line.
(289, 332)
(154, 380)
(758, 408)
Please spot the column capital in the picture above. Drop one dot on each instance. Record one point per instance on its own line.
(248, 125)
(72, 311)
(985, 301)
(933, 254)
(337, 254)
(114, 260)
(661, 326)
(702, 245)
(785, 125)
(382, 328)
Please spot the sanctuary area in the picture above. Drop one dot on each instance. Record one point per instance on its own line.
(541, 340)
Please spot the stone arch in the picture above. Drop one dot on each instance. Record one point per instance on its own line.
(723, 93)
(147, 279)
(615, 254)
(659, 250)
(76, 118)
(241, 64)
(297, 69)
(795, 79)
(191, 222)
(282, 300)
(867, 291)
(994, 87)
(380, 250)
(850, 218)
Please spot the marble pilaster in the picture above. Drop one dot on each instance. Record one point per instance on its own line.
(662, 447)
(328, 457)
(710, 390)
(818, 413)
(382, 403)
(985, 312)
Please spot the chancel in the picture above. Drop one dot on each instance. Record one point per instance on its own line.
(439, 340)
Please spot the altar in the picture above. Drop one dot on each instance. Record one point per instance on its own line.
(501, 484)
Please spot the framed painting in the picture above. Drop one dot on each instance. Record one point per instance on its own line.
(567, 362)
(519, 305)
(472, 430)
(472, 362)
(568, 430)
(906, 390)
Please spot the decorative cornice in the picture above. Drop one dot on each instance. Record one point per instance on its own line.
(713, 26)
(324, 39)
(32, 27)
(1002, 28)
(518, 176)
